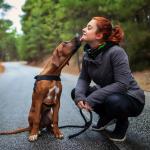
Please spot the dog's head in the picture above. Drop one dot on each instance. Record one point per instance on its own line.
(65, 50)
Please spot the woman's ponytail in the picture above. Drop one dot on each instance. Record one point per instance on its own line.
(117, 34)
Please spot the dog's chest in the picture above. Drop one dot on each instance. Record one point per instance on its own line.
(52, 95)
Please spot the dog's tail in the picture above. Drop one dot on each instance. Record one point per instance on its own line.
(19, 130)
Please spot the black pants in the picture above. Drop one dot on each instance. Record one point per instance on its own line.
(119, 106)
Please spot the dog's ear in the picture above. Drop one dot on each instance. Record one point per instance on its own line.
(56, 58)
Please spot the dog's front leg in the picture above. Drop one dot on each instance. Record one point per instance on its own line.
(55, 128)
(36, 117)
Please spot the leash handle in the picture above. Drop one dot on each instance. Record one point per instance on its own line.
(87, 123)
(85, 127)
(83, 116)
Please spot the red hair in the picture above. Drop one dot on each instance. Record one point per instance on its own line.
(113, 34)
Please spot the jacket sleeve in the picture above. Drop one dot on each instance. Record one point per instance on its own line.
(82, 83)
(122, 76)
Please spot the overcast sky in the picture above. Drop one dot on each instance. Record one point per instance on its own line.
(14, 13)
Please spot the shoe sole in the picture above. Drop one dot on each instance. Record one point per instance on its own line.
(118, 140)
(100, 129)
(103, 128)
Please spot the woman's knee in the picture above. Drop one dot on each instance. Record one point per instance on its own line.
(113, 99)
(116, 102)
(117, 105)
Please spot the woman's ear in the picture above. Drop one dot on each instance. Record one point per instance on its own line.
(99, 36)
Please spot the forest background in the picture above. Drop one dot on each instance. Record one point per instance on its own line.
(46, 23)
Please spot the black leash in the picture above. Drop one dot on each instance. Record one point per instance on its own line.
(85, 126)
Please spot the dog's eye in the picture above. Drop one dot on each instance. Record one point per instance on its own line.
(66, 42)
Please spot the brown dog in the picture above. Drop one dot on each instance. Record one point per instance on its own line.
(47, 91)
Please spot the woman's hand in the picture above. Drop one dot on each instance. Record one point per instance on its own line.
(84, 105)
(81, 104)
(87, 106)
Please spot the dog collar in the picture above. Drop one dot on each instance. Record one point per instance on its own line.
(47, 77)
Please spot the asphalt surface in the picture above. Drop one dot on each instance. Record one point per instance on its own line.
(16, 85)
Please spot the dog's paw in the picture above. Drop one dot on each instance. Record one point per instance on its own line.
(39, 133)
(58, 134)
(33, 137)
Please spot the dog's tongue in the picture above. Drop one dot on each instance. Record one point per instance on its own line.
(81, 39)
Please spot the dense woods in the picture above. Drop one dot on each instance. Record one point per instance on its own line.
(47, 22)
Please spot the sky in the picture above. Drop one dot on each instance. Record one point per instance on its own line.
(14, 13)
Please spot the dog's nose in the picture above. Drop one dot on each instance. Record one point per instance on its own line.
(66, 42)
(77, 35)
(77, 39)
(77, 42)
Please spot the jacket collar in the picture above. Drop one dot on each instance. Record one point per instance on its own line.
(96, 56)
(93, 53)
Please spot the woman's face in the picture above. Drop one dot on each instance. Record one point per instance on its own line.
(89, 32)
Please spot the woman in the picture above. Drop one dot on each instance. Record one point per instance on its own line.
(116, 94)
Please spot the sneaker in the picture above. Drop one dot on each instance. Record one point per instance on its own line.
(119, 133)
(117, 137)
(102, 124)
(97, 128)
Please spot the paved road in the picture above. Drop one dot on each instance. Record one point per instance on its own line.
(16, 86)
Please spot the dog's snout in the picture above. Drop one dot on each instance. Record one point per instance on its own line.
(76, 39)
(74, 43)
(77, 42)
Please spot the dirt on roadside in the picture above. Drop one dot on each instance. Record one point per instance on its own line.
(1, 68)
(143, 79)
